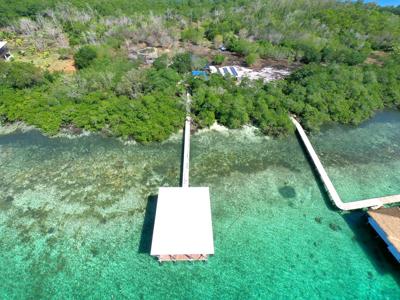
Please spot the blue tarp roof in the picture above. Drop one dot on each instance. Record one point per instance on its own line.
(199, 73)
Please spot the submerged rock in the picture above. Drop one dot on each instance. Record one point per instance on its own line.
(94, 251)
(318, 220)
(9, 199)
(316, 243)
(287, 192)
(119, 164)
(334, 227)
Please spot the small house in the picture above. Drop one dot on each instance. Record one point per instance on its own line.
(4, 52)
(224, 71)
(213, 69)
(222, 47)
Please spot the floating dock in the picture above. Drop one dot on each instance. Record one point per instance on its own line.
(374, 203)
(386, 222)
(183, 224)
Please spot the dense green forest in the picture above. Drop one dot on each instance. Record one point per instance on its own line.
(347, 58)
(315, 93)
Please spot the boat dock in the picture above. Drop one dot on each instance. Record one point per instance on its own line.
(386, 222)
(186, 153)
(186, 144)
(183, 223)
(374, 203)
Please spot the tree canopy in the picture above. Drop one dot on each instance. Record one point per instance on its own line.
(348, 53)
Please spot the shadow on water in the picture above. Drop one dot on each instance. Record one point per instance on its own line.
(364, 235)
(287, 191)
(148, 225)
(372, 245)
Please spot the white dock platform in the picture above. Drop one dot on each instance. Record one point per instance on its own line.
(183, 225)
(373, 202)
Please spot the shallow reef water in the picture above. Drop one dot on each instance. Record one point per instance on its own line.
(74, 216)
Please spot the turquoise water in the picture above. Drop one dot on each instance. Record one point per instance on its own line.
(362, 162)
(73, 226)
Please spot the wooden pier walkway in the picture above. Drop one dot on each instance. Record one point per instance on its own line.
(367, 203)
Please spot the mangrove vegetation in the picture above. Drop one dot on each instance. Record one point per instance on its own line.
(83, 64)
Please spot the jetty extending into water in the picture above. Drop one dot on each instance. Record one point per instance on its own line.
(386, 222)
(186, 144)
(186, 153)
(374, 203)
(183, 224)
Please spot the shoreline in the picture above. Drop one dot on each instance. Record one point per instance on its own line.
(10, 128)
(71, 132)
(80, 200)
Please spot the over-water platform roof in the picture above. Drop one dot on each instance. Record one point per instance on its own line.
(183, 224)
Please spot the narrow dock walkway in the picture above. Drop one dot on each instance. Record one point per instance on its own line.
(183, 222)
(373, 202)
(186, 149)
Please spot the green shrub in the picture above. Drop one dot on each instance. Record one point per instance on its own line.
(241, 46)
(251, 59)
(217, 41)
(85, 56)
(161, 62)
(194, 35)
(20, 75)
(345, 55)
(218, 59)
(310, 54)
(182, 62)
(64, 53)
(198, 62)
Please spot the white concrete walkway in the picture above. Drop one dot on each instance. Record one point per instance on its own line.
(186, 149)
(373, 203)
